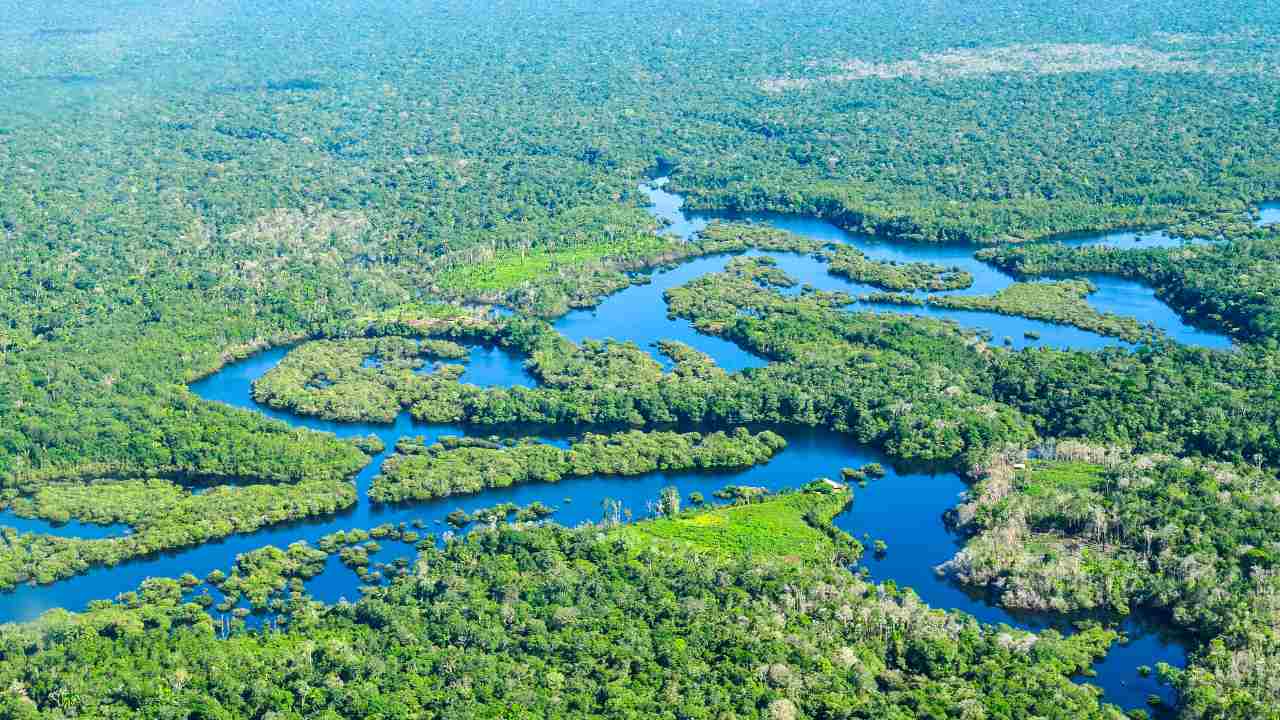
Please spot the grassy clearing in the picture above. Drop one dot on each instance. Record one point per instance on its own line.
(1044, 477)
(794, 527)
(509, 269)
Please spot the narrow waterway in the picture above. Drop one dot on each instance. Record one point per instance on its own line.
(905, 509)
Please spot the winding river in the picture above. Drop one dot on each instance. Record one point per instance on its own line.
(905, 508)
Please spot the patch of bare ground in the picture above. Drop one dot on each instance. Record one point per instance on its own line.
(294, 230)
(1027, 59)
(276, 239)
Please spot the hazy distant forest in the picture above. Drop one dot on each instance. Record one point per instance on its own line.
(185, 183)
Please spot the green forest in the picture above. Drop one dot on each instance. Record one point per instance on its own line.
(1085, 526)
(383, 188)
(417, 472)
(642, 621)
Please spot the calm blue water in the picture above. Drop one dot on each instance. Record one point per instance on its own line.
(491, 366)
(639, 314)
(71, 528)
(1269, 213)
(905, 509)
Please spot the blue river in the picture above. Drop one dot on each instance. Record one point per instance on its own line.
(905, 508)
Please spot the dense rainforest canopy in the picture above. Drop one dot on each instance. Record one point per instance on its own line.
(164, 190)
(183, 184)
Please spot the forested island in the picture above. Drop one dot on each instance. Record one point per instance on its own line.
(458, 359)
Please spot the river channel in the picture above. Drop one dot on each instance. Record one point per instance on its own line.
(905, 509)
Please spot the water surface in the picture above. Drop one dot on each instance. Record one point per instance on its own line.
(71, 528)
(1269, 213)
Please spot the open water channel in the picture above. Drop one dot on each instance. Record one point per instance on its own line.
(905, 508)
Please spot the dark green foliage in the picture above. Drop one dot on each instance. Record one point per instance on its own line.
(1165, 397)
(921, 390)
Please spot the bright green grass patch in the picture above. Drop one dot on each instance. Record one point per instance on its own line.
(1043, 476)
(794, 526)
(509, 269)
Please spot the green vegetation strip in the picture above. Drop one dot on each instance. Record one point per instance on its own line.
(1233, 286)
(164, 516)
(1060, 302)
(466, 466)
